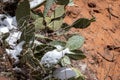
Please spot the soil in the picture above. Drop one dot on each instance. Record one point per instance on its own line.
(102, 44)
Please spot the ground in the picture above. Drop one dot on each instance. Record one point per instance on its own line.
(102, 44)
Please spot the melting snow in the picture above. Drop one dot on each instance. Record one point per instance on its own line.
(53, 57)
(16, 51)
(8, 24)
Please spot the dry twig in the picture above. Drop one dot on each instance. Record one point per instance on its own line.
(112, 60)
(109, 9)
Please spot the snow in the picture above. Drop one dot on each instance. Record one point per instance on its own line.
(53, 57)
(14, 21)
(6, 21)
(4, 30)
(59, 47)
(35, 3)
(37, 42)
(8, 24)
(16, 51)
(64, 73)
(17, 69)
(14, 36)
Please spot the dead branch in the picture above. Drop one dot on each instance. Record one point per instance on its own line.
(109, 9)
(112, 60)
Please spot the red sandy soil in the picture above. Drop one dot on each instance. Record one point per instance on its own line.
(3, 78)
(102, 45)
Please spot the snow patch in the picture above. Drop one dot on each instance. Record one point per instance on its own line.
(16, 51)
(53, 57)
(12, 39)
(35, 3)
(64, 73)
(8, 24)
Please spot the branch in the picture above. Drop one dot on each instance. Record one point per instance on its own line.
(112, 60)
